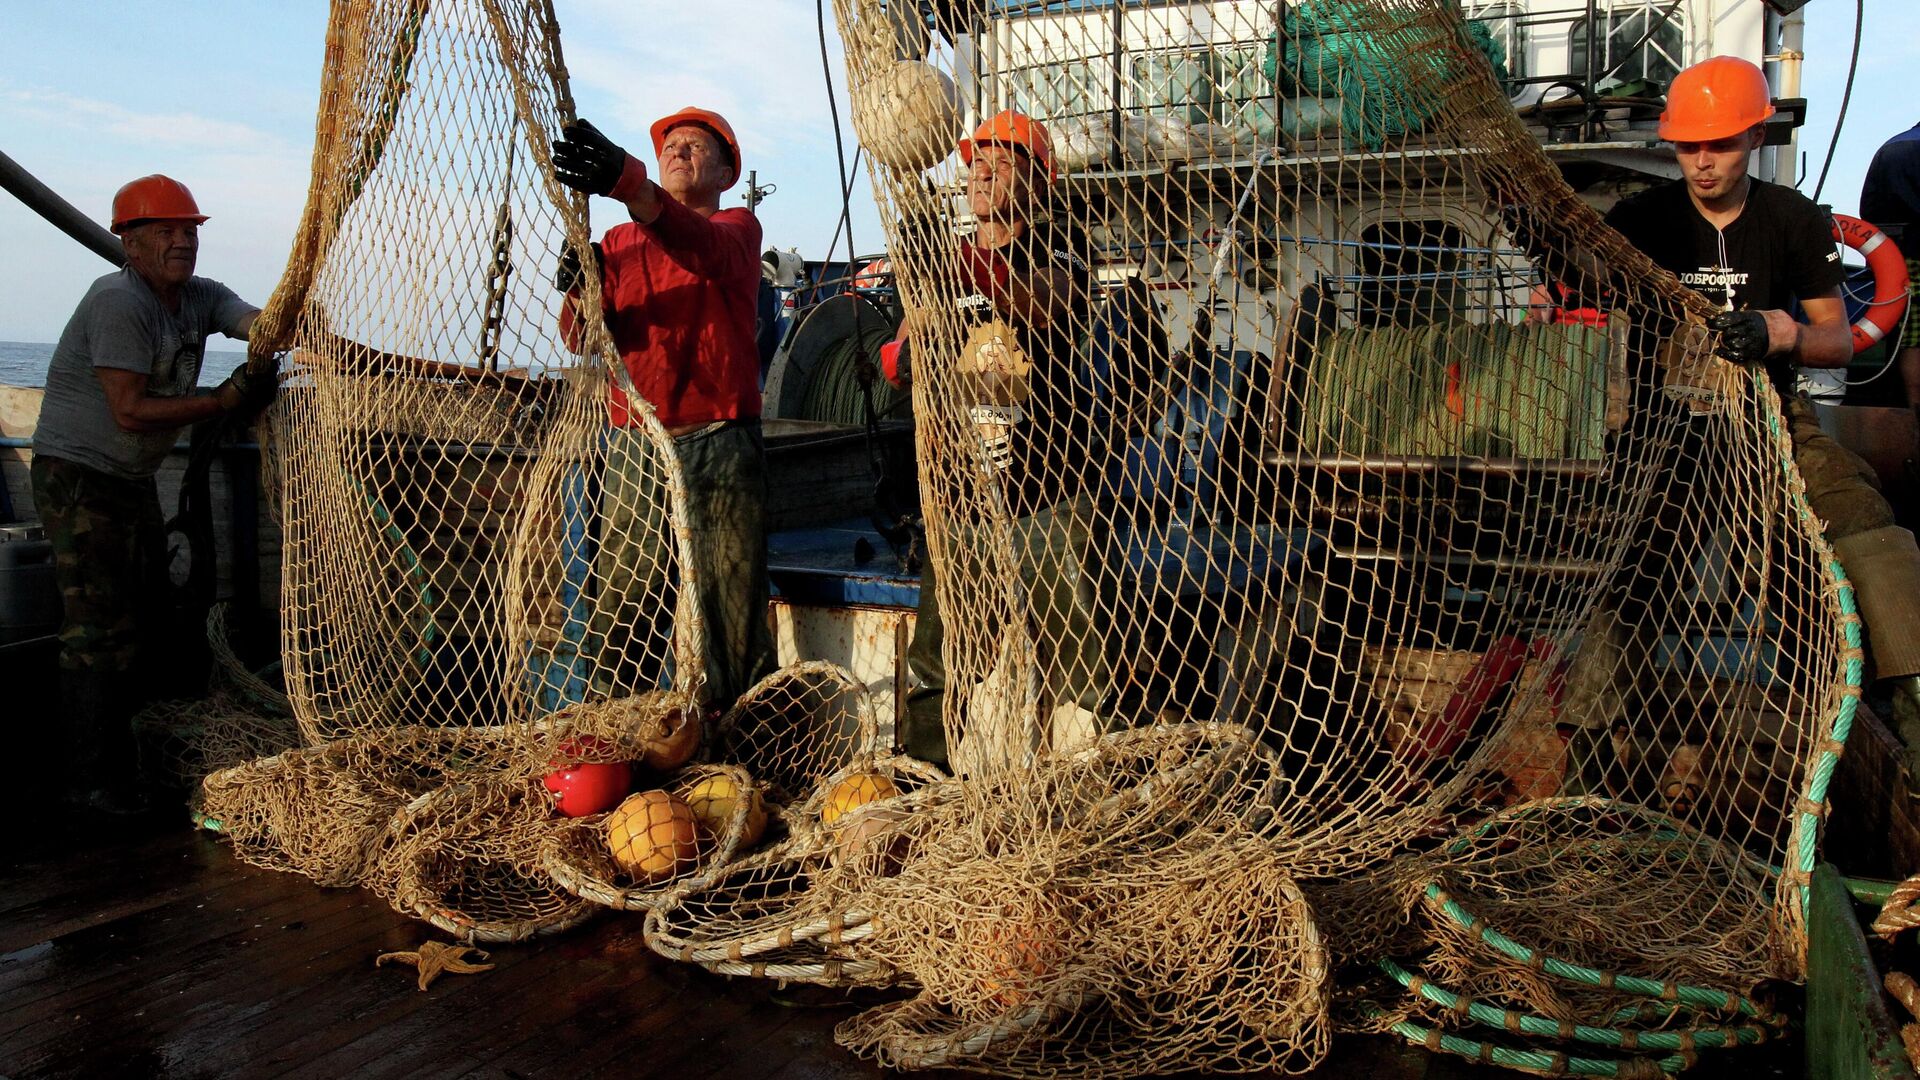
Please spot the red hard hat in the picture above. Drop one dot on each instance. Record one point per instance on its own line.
(706, 118)
(1009, 128)
(1716, 98)
(152, 198)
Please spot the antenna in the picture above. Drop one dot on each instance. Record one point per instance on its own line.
(757, 193)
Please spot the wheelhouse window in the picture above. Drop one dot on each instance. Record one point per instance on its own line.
(1641, 40)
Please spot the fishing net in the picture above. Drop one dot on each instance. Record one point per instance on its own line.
(489, 569)
(1337, 634)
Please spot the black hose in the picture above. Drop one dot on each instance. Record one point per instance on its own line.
(59, 213)
(839, 144)
(1853, 65)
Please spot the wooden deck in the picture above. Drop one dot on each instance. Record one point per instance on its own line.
(150, 951)
(154, 953)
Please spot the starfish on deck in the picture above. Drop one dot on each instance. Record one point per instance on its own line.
(434, 957)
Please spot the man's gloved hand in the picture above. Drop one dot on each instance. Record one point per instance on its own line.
(567, 276)
(1743, 335)
(585, 160)
(247, 391)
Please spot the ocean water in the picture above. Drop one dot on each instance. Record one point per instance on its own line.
(24, 363)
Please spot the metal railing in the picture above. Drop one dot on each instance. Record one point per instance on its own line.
(1135, 60)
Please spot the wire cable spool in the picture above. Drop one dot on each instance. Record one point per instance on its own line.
(819, 375)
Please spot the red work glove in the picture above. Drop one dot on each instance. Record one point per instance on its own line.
(984, 270)
(895, 366)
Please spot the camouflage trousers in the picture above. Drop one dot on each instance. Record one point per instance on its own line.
(110, 561)
(1612, 676)
(631, 628)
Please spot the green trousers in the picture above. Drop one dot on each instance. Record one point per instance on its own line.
(631, 628)
(1051, 546)
(1881, 559)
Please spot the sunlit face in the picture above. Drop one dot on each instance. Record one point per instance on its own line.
(163, 252)
(1714, 170)
(694, 166)
(1000, 182)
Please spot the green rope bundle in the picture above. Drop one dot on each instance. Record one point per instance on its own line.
(1383, 74)
(1458, 388)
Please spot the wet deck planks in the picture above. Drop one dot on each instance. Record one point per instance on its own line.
(154, 953)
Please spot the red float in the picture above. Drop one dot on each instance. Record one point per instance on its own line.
(588, 787)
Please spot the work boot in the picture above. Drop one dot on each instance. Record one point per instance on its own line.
(95, 710)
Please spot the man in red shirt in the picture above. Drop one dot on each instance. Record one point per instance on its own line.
(678, 286)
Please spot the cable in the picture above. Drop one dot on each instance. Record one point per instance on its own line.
(839, 143)
(845, 222)
(1853, 65)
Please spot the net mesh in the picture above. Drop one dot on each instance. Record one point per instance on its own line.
(1334, 637)
(485, 581)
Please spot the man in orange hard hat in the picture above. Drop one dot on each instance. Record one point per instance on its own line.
(677, 286)
(1022, 290)
(122, 383)
(1754, 248)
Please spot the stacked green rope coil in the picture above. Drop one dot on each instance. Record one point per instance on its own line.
(1458, 388)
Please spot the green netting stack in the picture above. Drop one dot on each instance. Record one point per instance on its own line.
(1380, 74)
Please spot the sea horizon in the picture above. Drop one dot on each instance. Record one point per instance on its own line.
(24, 363)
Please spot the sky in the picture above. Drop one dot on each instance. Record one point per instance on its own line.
(92, 95)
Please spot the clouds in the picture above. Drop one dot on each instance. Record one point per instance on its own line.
(249, 180)
(85, 107)
(89, 118)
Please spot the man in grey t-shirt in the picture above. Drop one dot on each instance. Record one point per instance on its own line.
(120, 388)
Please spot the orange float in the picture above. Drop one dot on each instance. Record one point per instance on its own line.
(654, 836)
(853, 793)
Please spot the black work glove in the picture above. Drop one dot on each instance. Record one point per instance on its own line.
(1743, 336)
(567, 277)
(585, 160)
(256, 388)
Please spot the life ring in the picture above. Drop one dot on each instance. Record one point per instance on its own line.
(878, 274)
(1889, 268)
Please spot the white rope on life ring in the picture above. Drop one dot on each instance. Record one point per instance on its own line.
(1889, 268)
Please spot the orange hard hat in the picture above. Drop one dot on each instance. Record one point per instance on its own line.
(152, 198)
(1009, 128)
(1716, 98)
(706, 118)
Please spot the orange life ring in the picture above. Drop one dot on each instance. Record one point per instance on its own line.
(1889, 268)
(878, 274)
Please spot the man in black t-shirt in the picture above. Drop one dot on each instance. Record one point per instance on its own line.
(1754, 248)
(1025, 294)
